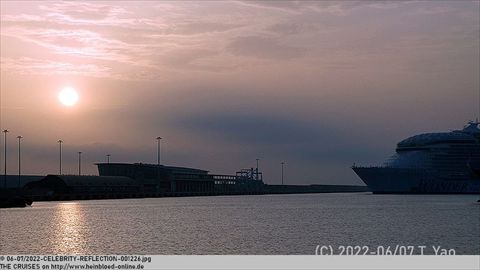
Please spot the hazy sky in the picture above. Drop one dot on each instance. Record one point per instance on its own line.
(318, 85)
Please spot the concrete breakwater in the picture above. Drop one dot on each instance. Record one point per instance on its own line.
(47, 189)
(277, 189)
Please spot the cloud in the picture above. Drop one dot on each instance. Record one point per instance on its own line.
(76, 43)
(272, 134)
(289, 28)
(30, 66)
(248, 128)
(141, 43)
(335, 7)
(263, 47)
(130, 45)
(85, 13)
(185, 56)
(194, 28)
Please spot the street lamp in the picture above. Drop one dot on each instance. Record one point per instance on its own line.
(158, 150)
(283, 163)
(79, 163)
(19, 160)
(5, 164)
(60, 155)
(108, 158)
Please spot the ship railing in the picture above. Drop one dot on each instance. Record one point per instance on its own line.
(369, 166)
(387, 167)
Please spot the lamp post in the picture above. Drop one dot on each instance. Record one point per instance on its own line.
(79, 163)
(282, 171)
(108, 158)
(60, 155)
(158, 150)
(19, 160)
(5, 161)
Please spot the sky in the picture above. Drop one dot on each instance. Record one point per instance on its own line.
(319, 85)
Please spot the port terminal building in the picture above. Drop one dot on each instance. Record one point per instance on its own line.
(160, 178)
(119, 180)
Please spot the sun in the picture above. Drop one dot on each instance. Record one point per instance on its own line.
(68, 96)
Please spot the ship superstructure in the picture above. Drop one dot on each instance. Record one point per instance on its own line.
(446, 162)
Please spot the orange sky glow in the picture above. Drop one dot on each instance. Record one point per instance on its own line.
(318, 85)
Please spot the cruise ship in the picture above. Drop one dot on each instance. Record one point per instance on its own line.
(430, 163)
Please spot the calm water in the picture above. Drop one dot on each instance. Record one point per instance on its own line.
(274, 224)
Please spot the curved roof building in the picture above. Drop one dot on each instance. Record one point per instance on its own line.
(85, 184)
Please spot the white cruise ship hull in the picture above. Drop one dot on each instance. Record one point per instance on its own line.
(384, 180)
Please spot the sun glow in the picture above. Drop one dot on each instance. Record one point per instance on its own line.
(68, 96)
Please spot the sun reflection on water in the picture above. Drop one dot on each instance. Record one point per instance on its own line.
(69, 229)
